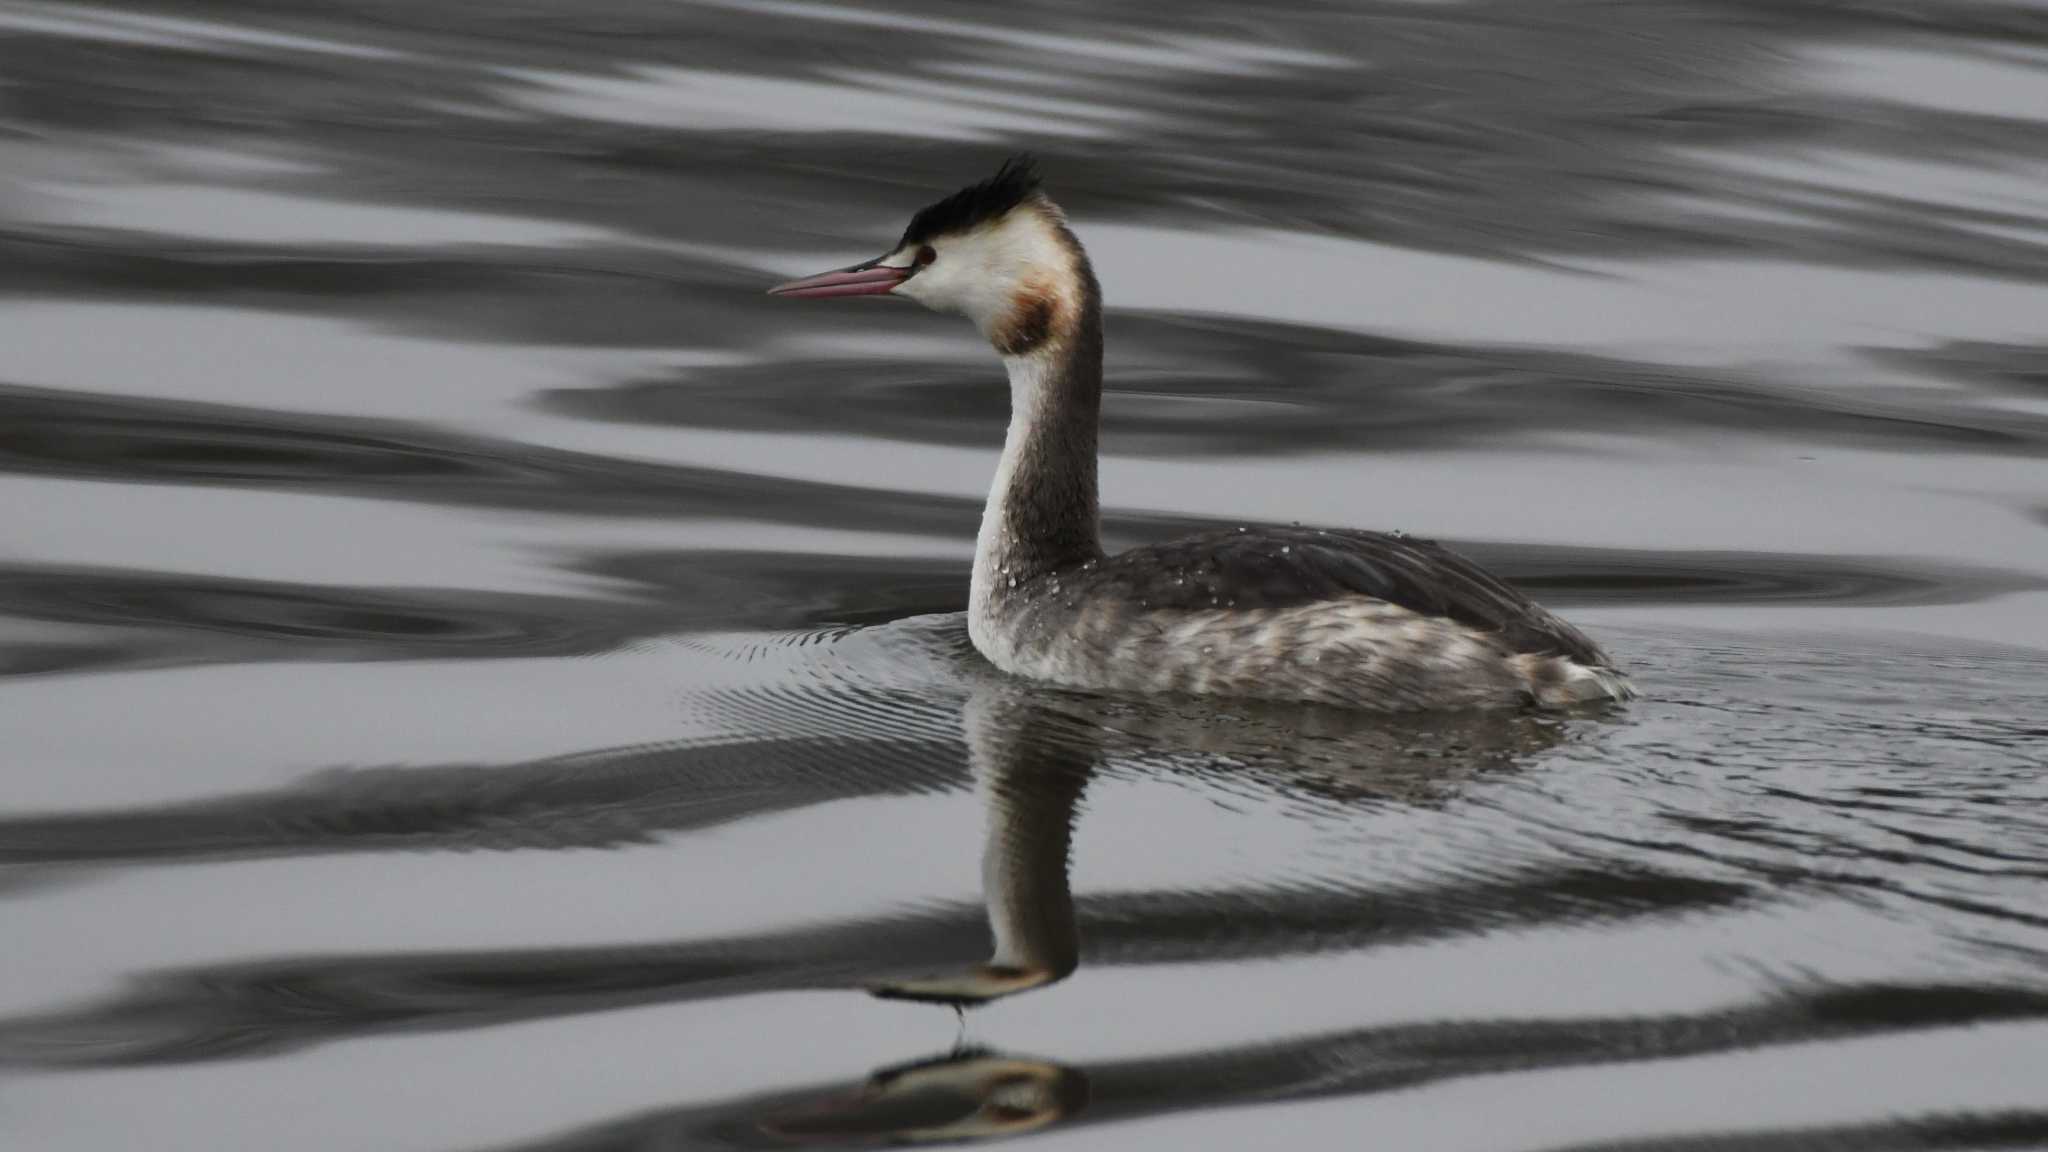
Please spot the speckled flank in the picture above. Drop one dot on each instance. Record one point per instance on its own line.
(1352, 653)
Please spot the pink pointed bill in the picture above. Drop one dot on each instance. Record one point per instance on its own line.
(869, 279)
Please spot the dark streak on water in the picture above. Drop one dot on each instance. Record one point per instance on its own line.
(476, 674)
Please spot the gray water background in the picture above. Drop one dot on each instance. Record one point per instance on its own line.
(477, 674)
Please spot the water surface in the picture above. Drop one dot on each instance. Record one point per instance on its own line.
(476, 674)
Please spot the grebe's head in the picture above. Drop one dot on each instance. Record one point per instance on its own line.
(998, 252)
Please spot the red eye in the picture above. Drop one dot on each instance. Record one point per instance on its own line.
(925, 255)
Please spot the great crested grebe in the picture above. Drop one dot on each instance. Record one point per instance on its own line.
(1340, 617)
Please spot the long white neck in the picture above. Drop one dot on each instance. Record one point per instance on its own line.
(1042, 511)
(993, 544)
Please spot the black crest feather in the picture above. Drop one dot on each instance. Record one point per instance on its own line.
(1015, 182)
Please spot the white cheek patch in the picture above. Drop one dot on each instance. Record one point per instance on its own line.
(980, 273)
(968, 277)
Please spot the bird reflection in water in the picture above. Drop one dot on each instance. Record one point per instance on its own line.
(1033, 752)
(1031, 775)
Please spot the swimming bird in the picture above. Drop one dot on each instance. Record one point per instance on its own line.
(1341, 617)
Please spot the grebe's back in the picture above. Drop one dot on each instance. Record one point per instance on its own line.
(1347, 618)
